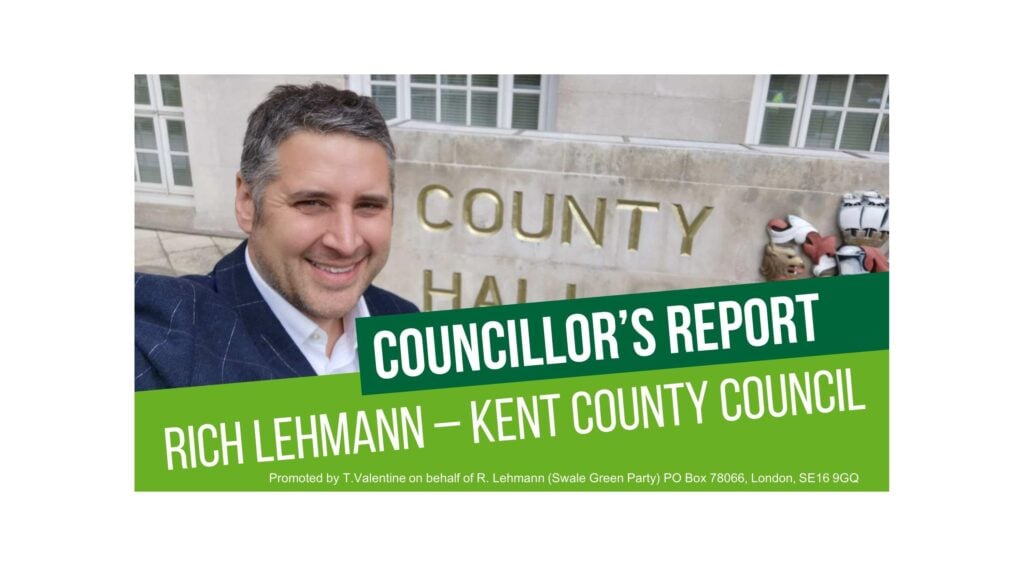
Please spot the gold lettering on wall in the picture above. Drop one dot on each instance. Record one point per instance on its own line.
(455, 293)
(571, 209)
(690, 229)
(572, 214)
(421, 208)
(517, 218)
(638, 207)
(488, 295)
(467, 211)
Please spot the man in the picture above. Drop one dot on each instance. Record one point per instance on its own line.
(315, 196)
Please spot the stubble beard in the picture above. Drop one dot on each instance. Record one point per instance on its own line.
(294, 295)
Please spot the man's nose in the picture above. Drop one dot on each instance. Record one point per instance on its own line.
(342, 234)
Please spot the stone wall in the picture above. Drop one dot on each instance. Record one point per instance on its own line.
(683, 107)
(496, 218)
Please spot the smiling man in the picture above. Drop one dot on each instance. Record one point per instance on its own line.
(315, 195)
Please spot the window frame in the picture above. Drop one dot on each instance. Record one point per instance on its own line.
(160, 113)
(505, 90)
(804, 106)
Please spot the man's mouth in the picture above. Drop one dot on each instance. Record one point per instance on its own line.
(333, 268)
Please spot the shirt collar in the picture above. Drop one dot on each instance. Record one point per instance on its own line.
(299, 326)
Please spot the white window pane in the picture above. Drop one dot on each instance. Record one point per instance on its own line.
(485, 80)
(382, 77)
(424, 104)
(181, 171)
(857, 130)
(783, 88)
(176, 135)
(830, 90)
(485, 109)
(170, 89)
(149, 167)
(457, 80)
(425, 79)
(141, 90)
(531, 82)
(867, 91)
(883, 135)
(822, 129)
(386, 100)
(525, 111)
(453, 107)
(777, 125)
(145, 133)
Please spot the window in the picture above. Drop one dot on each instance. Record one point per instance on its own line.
(161, 143)
(822, 111)
(494, 101)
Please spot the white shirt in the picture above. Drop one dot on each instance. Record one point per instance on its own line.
(307, 335)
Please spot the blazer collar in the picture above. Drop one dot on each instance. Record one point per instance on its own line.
(279, 351)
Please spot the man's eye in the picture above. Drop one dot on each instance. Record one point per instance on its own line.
(370, 205)
(310, 204)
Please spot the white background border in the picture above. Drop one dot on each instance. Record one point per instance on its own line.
(67, 405)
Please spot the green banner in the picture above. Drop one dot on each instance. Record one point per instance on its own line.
(622, 333)
(806, 412)
(815, 423)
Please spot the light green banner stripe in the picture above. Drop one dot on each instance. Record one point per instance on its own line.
(844, 450)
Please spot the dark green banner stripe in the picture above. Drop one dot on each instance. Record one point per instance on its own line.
(762, 321)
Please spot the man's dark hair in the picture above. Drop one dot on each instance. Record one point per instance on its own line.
(317, 108)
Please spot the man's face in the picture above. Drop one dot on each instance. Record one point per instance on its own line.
(324, 228)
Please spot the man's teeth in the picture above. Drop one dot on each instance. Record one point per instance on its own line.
(330, 269)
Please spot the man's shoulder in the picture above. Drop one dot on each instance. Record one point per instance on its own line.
(187, 305)
(155, 294)
(190, 331)
(149, 285)
(151, 289)
(381, 302)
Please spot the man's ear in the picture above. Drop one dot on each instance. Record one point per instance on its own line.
(245, 207)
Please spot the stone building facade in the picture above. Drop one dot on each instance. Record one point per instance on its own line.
(622, 184)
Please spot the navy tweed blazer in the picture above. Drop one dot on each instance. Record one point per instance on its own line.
(216, 328)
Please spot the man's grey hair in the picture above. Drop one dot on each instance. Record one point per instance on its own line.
(317, 108)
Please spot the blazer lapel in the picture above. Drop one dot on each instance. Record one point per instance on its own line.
(279, 352)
